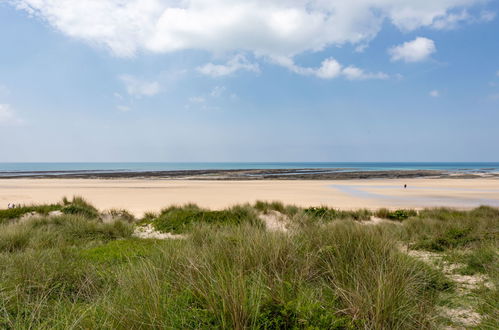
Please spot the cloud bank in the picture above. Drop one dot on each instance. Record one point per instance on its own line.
(276, 30)
(263, 27)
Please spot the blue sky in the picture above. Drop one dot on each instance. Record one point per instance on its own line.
(254, 80)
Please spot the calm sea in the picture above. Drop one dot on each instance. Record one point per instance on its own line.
(59, 168)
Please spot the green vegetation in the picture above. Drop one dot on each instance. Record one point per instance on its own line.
(266, 207)
(9, 214)
(398, 215)
(79, 206)
(180, 219)
(82, 269)
(327, 214)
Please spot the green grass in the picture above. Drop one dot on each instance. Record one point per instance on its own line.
(266, 207)
(181, 219)
(79, 206)
(328, 214)
(121, 251)
(9, 214)
(74, 271)
(397, 215)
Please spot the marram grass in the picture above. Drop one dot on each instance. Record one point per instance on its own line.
(75, 271)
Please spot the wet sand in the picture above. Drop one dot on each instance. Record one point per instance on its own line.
(142, 195)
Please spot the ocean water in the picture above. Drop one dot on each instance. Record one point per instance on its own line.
(9, 169)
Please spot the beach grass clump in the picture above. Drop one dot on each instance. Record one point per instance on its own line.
(79, 206)
(443, 229)
(266, 207)
(121, 250)
(327, 214)
(179, 220)
(452, 238)
(483, 259)
(118, 214)
(17, 212)
(397, 215)
(76, 271)
(244, 277)
(67, 230)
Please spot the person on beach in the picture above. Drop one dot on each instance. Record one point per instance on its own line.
(405, 186)
(10, 206)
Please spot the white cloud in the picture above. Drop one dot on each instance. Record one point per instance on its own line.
(237, 63)
(7, 115)
(138, 88)
(217, 91)
(434, 93)
(487, 16)
(123, 108)
(454, 20)
(329, 69)
(263, 27)
(416, 50)
(354, 73)
(451, 21)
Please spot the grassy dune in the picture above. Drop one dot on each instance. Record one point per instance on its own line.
(79, 268)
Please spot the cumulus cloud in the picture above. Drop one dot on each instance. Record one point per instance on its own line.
(137, 87)
(329, 69)
(237, 63)
(264, 27)
(434, 93)
(416, 50)
(353, 73)
(7, 115)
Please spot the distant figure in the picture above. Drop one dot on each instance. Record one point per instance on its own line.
(405, 186)
(11, 206)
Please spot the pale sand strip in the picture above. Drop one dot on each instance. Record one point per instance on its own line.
(141, 195)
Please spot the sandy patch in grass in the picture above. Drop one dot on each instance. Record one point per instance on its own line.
(464, 315)
(275, 221)
(148, 231)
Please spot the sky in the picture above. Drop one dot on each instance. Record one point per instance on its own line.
(249, 80)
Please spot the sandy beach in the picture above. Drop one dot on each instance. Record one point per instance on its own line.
(142, 195)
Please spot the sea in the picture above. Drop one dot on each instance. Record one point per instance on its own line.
(24, 169)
